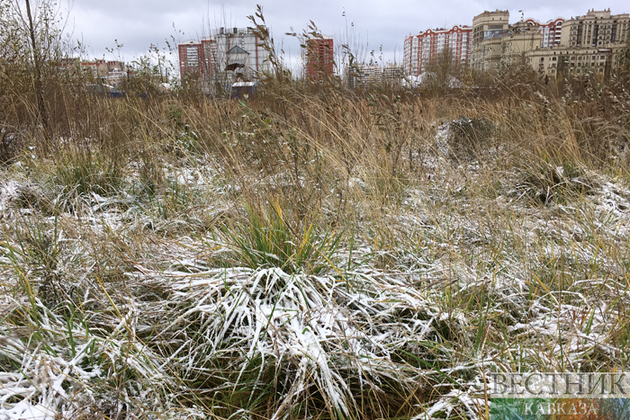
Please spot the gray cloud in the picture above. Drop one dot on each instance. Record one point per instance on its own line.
(366, 24)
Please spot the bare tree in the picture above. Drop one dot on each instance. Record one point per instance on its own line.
(30, 44)
(442, 71)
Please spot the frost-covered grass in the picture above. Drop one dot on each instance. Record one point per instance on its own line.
(311, 255)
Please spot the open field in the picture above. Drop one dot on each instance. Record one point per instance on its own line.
(312, 253)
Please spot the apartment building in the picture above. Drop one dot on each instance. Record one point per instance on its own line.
(319, 58)
(238, 48)
(362, 75)
(521, 38)
(550, 32)
(590, 45)
(192, 60)
(422, 49)
(599, 29)
(109, 72)
(228, 55)
(98, 68)
(488, 30)
(562, 60)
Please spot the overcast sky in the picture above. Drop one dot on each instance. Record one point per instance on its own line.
(364, 24)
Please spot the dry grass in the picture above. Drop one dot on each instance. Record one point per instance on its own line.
(311, 253)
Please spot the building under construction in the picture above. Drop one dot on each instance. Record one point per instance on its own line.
(228, 56)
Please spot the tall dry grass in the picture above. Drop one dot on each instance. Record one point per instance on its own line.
(312, 252)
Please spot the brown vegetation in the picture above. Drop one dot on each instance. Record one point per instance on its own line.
(313, 252)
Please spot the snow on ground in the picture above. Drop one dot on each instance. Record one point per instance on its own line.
(467, 285)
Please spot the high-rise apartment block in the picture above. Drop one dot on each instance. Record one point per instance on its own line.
(489, 25)
(229, 54)
(489, 29)
(422, 49)
(595, 29)
(571, 60)
(98, 68)
(550, 32)
(362, 75)
(110, 72)
(589, 44)
(240, 49)
(319, 58)
(192, 61)
(505, 46)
